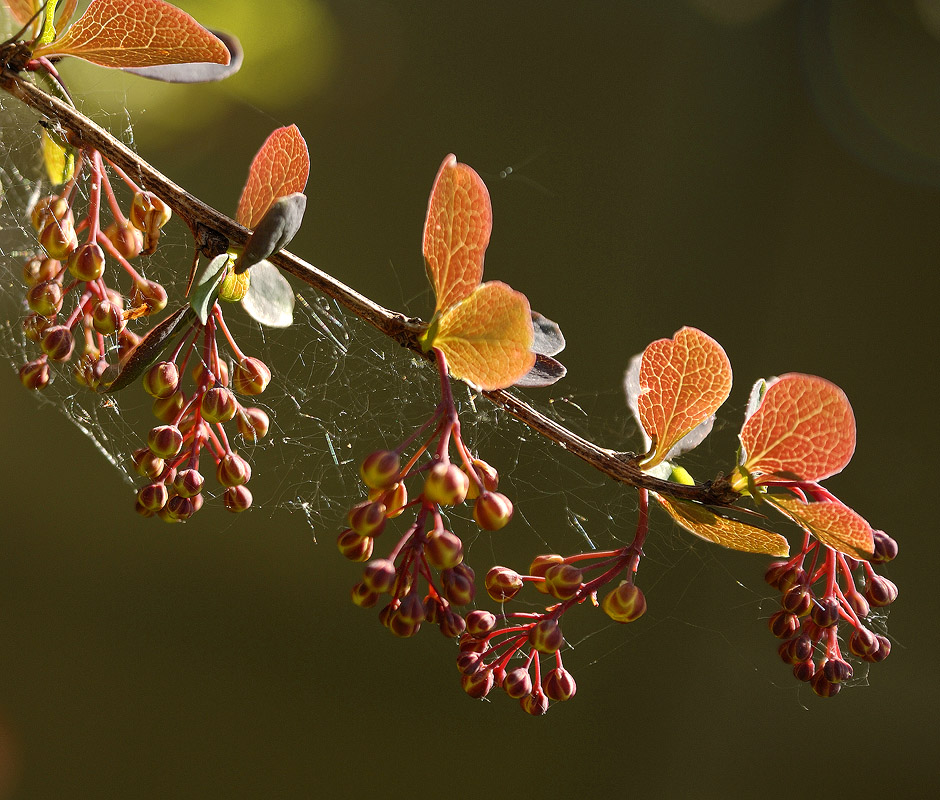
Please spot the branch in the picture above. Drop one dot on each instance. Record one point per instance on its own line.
(207, 225)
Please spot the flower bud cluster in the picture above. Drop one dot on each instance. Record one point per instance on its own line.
(821, 604)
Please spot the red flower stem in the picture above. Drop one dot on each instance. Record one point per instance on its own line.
(217, 314)
(116, 212)
(406, 537)
(124, 177)
(105, 242)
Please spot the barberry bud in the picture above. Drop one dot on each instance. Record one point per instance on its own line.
(253, 424)
(188, 482)
(58, 238)
(147, 211)
(394, 497)
(363, 597)
(165, 440)
(546, 636)
(38, 270)
(45, 298)
(783, 624)
(233, 470)
(87, 262)
(798, 601)
(107, 318)
(479, 684)
(443, 549)
(49, 207)
(401, 627)
(127, 341)
(539, 567)
(626, 603)
(535, 704)
(804, 671)
(563, 581)
(492, 511)
(863, 643)
(469, 662)
(379, 575)
(886, 548)
(825, 612)
(237, 499)
(379, 470)
(149, 295)
(502, 583)
(517, 683)
(837, 670)
(34, 326)
(784, 576)
(181, 508)
(445, 484)
(487, 475)
(146, 463)
(411, 611)
(153, 496)
(162, 379)
(251, 377)
(471, 644)
(218, 404)
(480, 622)
(167, 409)
(559, 685)
(883, 651)
(457, 584)
(367, 519)
(58, 343)
(127, 240)
(822, 686)
(879, 592)
(451, 623)
(203, 375)
(354, 547)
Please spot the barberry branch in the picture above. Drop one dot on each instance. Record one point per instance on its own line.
(213, 232)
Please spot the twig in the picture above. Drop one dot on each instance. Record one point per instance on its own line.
(208, 225)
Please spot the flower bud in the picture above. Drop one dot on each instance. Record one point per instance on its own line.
(517, 683)
(480, 622)
(251, 377)
(411, 611)
(162, 379)
(394, 497)
(252, 424)
(146, 463)
(379, 470)
(457, 584)
(237, 499)
(202, 375)
(479, 684)
(783, 624)
(147, 211)
(486, 474)
(127, 240)
(401, 627)
(804, 671)
(451, 623)
(535, 704)
(58, 343)
(563, 581)
(469, 662)
(181, 508)
(863, 643)
(363, 597)
(355, 547)
(882, 652)
(546, 636)
(837, 670)
(107, 318)
(443, 549)
(879, 592)
(502, 583)
(539, 567)
(45, 298)
(165, 440)
(784, 576)
(38, 270)
(49, 207)
(233, 470)
(153, 496)
(218, 404)
(445, 484)
(167, 409)
(34, 326)
(492, 511)
(471, 644)
(798, 601)
(379, 575)
(559, 684)
(127, 341)
(188, 482)
(367, 519)
(825, 612)
(87, 262)
(626, 603)
(149, 295)
(886, 548)
(857, 603)
(58, 238)
(822, 686)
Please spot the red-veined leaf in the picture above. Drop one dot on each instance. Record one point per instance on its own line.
(804, 428)
(280, 168)
(713, 527)
(487, 338)
(834, 524)
(136, 33)
(683, 381)
(199, 71)
(456, 232)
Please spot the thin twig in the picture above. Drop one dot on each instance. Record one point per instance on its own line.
(208, 225)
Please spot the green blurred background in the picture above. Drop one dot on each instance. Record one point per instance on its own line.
(766, 170)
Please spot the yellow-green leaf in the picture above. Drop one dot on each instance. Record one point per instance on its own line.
(59, 160)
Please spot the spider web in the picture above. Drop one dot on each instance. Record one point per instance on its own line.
(341, 390)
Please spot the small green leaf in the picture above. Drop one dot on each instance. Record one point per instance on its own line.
(270, 298)
(206, 289)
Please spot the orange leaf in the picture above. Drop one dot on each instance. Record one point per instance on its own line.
(22, 10)
(683, 381)
(280, 168)
(456, 232)
(834, 524)
(804, 428)
(136, 33)
(711, 526)
(487, 338)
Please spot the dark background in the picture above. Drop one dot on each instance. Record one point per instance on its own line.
(766, 171)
